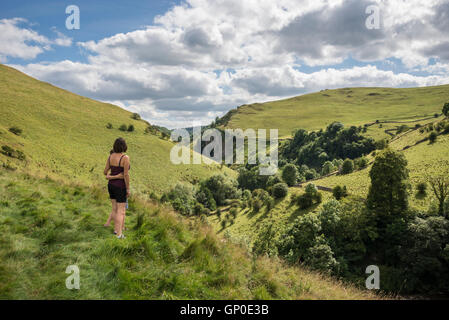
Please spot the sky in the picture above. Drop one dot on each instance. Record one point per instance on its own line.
(182, 63)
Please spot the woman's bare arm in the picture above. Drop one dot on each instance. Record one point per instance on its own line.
(126, 173)
(106, 168)
(118, 176)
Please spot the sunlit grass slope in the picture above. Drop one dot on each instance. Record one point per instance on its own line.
(46, 226)
(423, 159)
(351, 106)
(65, 135)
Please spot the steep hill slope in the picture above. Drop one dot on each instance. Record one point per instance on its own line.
(46, 226)
(65, 136)
(351, 106)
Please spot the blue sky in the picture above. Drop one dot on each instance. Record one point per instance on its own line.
(184, 63)
(99, 19)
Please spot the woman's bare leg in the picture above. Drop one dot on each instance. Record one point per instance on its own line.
(113, 213)
(120, 218)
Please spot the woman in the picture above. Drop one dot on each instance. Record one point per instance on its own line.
(118, 186)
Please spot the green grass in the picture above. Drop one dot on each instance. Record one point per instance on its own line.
(423, 159)
(248, 222)
(351, 106)
(46, 226)
(65, 137)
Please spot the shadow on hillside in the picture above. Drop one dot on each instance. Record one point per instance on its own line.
(300, 212)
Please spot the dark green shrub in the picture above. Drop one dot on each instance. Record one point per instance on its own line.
(109, 125)
(446, 109)
(198, 209)
(280, 190)
(290, 174)
(136, 116)
(433, 137)
(257, 204)
(233, 212)
(16, 130)
(123, 127)
(422, 189)
(339, 192)
(348, 166)
(130, 128)
(8, 151)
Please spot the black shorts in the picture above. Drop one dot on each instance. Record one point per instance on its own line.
(117, 193)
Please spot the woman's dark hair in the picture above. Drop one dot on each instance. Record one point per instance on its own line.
(119, 146)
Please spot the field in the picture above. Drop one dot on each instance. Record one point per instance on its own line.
(351, 106)
(65, 137)
(46, 226)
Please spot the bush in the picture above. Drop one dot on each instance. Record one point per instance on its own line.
(280, 190)
(130, 128)
(308, 199)
(361, 162)
(327, 168)
(257, 204)
(8, 151)
(433, 137)
(198, 209)
(422, 189)
(446, 109)
(290, 174)
(136, 116)
(446, 128)
(233, 212)
(381, 144)
(222, 188)
(16, 130)
(181, 198)
(310, 174)
(123, 127)
(20, 155)
(109, 125)
(339, 192)
(348, 166)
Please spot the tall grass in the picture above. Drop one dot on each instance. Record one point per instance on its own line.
(46, 226)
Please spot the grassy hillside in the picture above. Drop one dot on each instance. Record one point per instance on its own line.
(46, 226)
(351, 106)
(423, 159)
(65, 136)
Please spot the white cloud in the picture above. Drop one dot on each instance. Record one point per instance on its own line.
(19, 42)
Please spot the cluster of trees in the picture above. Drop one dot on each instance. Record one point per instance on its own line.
(203, 199)
(336, 142)
(410, 247)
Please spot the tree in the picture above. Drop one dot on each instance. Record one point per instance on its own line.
(339, 192)
(433, 137)
(130, 128)
(327, 168)
(280, 190)
(348, 166)
(290, 174)
(446, 109)
(136, 116)
(387, 194)
(422, 189)
(440, 187)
